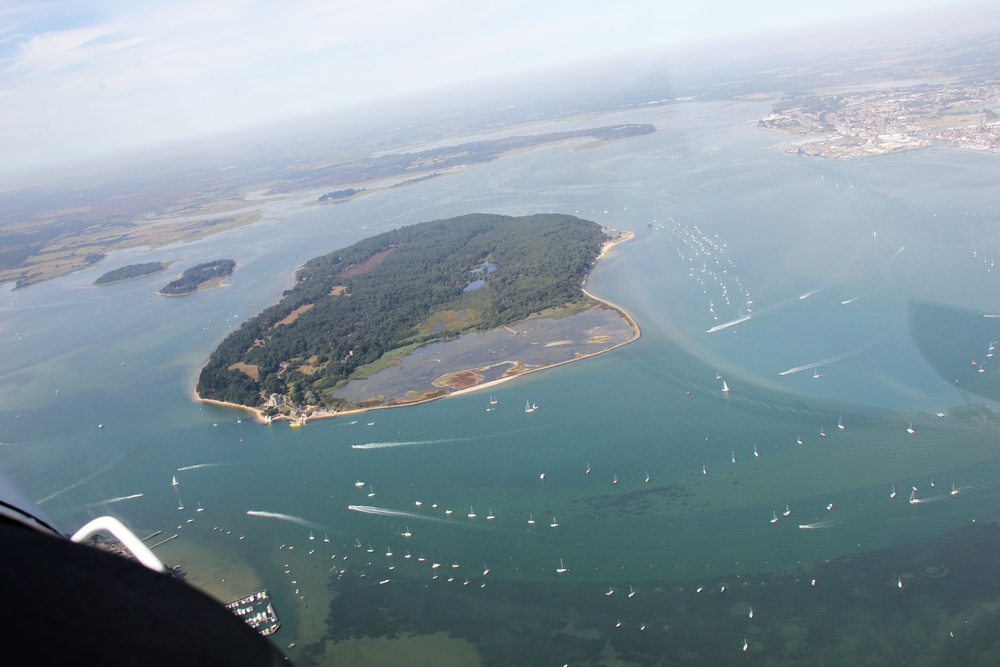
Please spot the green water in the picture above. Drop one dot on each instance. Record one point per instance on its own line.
(126, 359)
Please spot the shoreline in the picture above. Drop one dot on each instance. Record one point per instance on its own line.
(627, 316)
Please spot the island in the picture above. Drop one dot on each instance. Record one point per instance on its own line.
(340, 195)
(201, 277)
(464, 302)
(130, 272)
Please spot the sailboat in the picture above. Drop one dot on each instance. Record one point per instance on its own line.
(745, 645)
(357, 543)
(359, 484)
(200, 508)
(787, 511)
(486, 570)
(370, 550)
(407, 532)
(822, 432)
(531, 519)
(893, 494)
(610, 592)
(725, 387)
(751, 611)
(734, 456)
(493, 400)
(840, 423)
(180, 505)
(388, 551)
(174, 483)
(472, 514)
(527, 407)
(909, 429)
(816, 375)
(755, 451)
(704, 470)
(775, 519)
(798, 439)
(718, 376)
(588, 467)
(615, 480)
(326, 538)
(371, 492)
(554, 523)
(647, 477)
(932, 481)
(490, 517)
(913, 497)
(899, 581)
(631, 592)
(562, 568)
(954, 491)
(407, 556)
(311, 536)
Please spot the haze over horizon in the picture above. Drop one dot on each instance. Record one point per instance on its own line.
(115, 78)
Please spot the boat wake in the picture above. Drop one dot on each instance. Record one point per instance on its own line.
(815, 364)
(200, 465)
(381, 511)
(821, 524)
(809, 294)
(285, 517)
(408, 443)
(728, 324)
(112, 500)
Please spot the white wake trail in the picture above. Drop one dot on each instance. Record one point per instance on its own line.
(200, 465)
(809, 367)
(809, 294)
(408, 443)
(731, 323)
(285, 517)
(112, 500)
(821, 524)
(381, 511)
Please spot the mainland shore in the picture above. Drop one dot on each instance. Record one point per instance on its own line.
(323, 414)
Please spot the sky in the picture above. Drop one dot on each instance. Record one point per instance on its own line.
(79, 80)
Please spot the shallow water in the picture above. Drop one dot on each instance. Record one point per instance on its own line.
(793, 227)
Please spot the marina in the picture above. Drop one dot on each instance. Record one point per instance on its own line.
(256, 611)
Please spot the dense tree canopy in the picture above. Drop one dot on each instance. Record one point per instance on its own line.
(370, 298)
(196, 276)
(130, 272)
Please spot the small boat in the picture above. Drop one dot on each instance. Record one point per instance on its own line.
(734, 456)
(588, 467)
(913, 497)
(472, 514)
(531, 520)
(200, 508)
(619, 623)
(527, 407)
(562, 568)
(371, 492)
(722, 589)
(755, 451)
(174, 482)
(642, 627)
(954, 491)
(455, 565)
(816, 375)
(421, 559)
(407, 556)
(435, 566)
(631, 592)
(542, 476)
(554, 523)
(357, 543)
(533, 407)
(180, 505)
(798, 439)
(745, 646)
(718, 376)
(434, 506)
(775, 519)
(418, 503)
(822, 432)
(359, 484)
(893, 494)
(932, 481)
(941, 415)
(704, 470)
(370, 550)
(486, 569)
(490, 517)
(326, 538)
(830, 506)
(725, 387)
(787, 511)
(699, 589)
(899, 581)
(447, 511)
(407, 533)
(388, 552)
(493, 400)
(615, 481)
(610, 592)
(840, 423)
(909, 429)
(295, 425)
(311, 536)
(383, 582)
(751, 611)
(371, 423)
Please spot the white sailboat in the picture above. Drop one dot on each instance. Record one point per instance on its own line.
(704, 470)
(200, 508)
(326, 538)
(180, 505)
(734, 456)
(311, 536)
(798, 439)
(486, 570)
(787, 511)
(725, 387)
(407, 533)
(647, 477)
(909, 429)
(370, 550)
(174, 482)
(562, 568)
(751, 611)
(527, 407)
(359, 484)
(588, 467)
(631, 592)
(913, 497)
(954, 491)
(755, 451)
(615, 481)
(490, 517)
(531, 519)
(554, 524)
(822, 432)
(610, 592)
(472, 514)
(893, 494)
(775, 519)
(899, 581)
(388, 551)
(357, 543)
(840, 423)
(407, 556)
(493, 400)
(371, 492)
(745, 645)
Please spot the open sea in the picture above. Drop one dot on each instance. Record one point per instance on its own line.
(866, 282)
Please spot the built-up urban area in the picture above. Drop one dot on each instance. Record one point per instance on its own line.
(889, 120)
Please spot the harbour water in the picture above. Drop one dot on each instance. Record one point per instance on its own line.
(836, 257)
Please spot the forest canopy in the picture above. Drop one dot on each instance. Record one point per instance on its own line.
(350, 307)
(130, 272)
(197, 276)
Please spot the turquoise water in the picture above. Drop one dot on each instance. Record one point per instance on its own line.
(827, 230)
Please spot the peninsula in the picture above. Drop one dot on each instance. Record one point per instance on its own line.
(203, 276)
(463, 302)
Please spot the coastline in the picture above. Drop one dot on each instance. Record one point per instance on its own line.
(636, 331)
